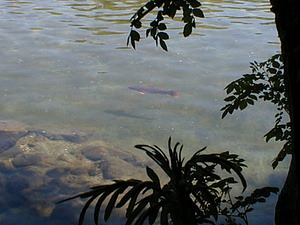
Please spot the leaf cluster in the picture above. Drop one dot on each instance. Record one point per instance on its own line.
(235, 210)
(266, 82)
(191, 196)
(169, 8)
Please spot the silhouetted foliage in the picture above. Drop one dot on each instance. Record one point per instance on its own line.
(287, 22)
(236, 210)
(194, 194)
(266, 82)
(190, 9)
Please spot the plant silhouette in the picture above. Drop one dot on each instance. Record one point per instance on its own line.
(266, 82)
(192, 195)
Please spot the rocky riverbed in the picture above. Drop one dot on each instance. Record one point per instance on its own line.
(40, 167)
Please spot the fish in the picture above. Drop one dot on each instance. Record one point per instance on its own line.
(153, 90)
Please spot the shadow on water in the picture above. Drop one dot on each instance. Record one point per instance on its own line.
(123, 113)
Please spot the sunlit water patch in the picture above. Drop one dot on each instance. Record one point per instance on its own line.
(65, 66)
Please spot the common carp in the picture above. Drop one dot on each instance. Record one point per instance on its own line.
(154, 90)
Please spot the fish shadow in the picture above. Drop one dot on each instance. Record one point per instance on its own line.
(122, 113)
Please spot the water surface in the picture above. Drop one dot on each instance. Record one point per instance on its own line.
(65, 64)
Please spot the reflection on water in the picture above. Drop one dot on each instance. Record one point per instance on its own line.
(65, 65)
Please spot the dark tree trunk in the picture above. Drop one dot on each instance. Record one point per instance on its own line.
(288, 204)
(287, 18)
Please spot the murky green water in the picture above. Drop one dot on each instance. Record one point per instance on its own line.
(65, 64)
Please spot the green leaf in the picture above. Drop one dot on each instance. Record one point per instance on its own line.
(198, 13)
(163, 35)
(286, 149)
(131, 204)
(229, 88)
(135, 190)
(163, 44)
(148, 32)
(153, 214)
(264, 192)
(159, 16)
(261, 200)
(271, 134)
(194, 3)
(230, 98)
(153, 176)
(239, 198)
(275, 163)
(243, 104)
(98, 206)
(249, 210)
(136, 23)
(276, 64)
(135, 35)
(84, 209)
(187, 17)
(223, 160)
(226, 111)
(158, 156)
(187, 30)
(153, 32)
(128, 40)
(132, 43)
(162, 26)
(253, 97)
(272, 70)
(154, 23)
(141, 205)
(112, 201)
(250, 101)
(171, 12)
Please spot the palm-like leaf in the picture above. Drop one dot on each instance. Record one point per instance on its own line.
(225, 160)
(190, 197)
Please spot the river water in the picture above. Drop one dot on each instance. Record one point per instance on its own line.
(65, 64)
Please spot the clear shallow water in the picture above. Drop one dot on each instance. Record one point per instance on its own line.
(66, 64)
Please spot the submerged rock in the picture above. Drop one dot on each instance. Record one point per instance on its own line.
(10, 132)
(48, 166)
(114, 162)
(60, 136)
(22, 160)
